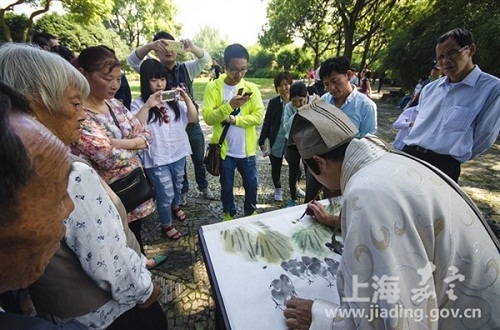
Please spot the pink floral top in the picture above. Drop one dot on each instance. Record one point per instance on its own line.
(112, 163)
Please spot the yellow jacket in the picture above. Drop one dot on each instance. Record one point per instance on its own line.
(215, 112)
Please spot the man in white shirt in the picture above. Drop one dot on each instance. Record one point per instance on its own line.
(459, 114)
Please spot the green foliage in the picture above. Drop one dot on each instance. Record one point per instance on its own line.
(83, 10)
(315, 22)
(17, 24)
(138, 20)
(261, 60)
(412, 47)
(77, 36)
(211, 40)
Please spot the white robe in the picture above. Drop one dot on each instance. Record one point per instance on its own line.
(399, 221)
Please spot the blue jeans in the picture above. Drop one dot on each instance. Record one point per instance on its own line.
(248, 170)
(167, 180)
(197, 142)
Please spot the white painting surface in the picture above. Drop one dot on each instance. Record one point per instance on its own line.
(260, 261)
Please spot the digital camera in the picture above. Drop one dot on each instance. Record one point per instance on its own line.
(169, 96)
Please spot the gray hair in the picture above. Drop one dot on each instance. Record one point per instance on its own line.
(40, 74)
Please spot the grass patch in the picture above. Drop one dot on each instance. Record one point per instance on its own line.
(266, 87)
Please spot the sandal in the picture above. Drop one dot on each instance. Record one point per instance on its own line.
(179, 214)
(172, 233)
(159, 259)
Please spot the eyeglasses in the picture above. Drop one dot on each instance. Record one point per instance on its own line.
(236, 70)
(452, 54)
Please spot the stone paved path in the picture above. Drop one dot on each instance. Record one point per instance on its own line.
(186, 296)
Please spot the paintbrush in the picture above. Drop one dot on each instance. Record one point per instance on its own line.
(315, 197)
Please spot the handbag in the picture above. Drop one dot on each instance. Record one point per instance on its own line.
(212, 156)
(135, 188)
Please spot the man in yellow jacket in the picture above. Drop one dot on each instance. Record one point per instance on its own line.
(230, 100)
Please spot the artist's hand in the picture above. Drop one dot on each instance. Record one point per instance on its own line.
(298, 313)
(320, 213)
(154, 296)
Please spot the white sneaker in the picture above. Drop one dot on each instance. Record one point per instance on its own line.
(301, 193)
(278, 195)
(207, 194)
(183, 200)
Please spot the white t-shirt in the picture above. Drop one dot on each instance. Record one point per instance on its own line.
(235, 135)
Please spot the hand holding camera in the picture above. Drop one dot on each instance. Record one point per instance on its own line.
(170, 95)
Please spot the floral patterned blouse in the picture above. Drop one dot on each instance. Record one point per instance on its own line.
(112, 163)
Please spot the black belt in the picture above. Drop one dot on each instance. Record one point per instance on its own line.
(433, 153)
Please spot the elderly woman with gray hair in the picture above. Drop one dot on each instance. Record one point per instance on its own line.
(98, 276)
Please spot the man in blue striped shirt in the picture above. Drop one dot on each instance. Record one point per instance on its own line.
(459, 114)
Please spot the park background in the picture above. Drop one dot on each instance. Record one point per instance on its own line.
(391, 36)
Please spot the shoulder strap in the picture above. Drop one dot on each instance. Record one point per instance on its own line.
(448, 180)
(113, 115)
(187, 79)
(226, 126)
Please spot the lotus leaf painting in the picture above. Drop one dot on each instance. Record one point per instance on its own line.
(257, 263)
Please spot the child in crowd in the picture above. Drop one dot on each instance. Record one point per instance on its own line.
(298, 98)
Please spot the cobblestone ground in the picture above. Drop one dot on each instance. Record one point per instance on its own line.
(187, 298)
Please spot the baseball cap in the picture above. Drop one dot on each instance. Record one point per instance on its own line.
(320, 127)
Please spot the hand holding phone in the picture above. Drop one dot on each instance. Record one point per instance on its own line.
(174, 46)
(241, 90)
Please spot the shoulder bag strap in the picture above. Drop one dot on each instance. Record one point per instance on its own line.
(448, 180)
(226, 126)
(113, 115)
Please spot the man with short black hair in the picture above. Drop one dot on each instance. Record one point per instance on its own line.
(336, 75)
(181, 75)
(233, 101)
(459, 114)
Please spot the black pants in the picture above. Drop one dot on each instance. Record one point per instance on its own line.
(293, 160)
(447, 164)
(276, 163)
(151, 318)
(135, 227)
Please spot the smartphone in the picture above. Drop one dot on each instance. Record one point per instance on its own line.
(248, 94)
(240, 91)
(168, 96)
(174, 46)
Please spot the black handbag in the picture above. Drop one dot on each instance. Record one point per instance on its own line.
(134, 189)
(212, 156)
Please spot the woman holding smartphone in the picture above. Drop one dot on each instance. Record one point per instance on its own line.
(164, 160)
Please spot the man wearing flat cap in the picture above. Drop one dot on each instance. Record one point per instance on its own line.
(417, 254)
